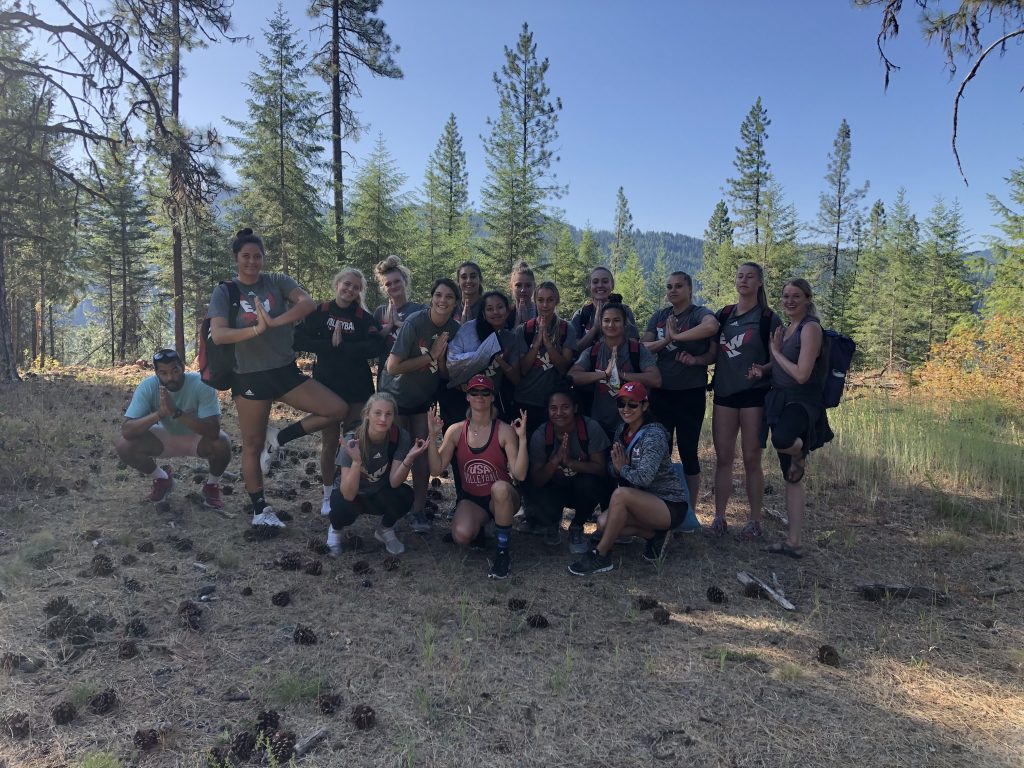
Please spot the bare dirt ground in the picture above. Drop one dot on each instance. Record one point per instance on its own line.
(450, 662)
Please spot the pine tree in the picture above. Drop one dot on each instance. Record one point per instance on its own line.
(520, 152)
(778, 254)
(623, 242)
(279, 149)
(632, 284)
(357, 38)
(1006, 293)
(717, 275)
(947, 293)
(901, 282)
(837, 210)
(748, 189)
(444, 212)
(656, 281)
(378, 223)
(865, 314)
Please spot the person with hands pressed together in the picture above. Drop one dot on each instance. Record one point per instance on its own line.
(612, 362)
(395, 281)
(488, 455)
(568, 468)
(265, 370)
(545, 347)
(416, 367)
(793, 409)
(682, 337)
(523, 285)
(587, 319)
(174, 413)
(373, 464)
(649, 500)
(471, 281)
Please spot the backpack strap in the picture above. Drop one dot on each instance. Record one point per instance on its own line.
(326, 307)
(549, 436)
(393, 436)
(765, 326)
(529, 331)
(582, 436)
(234, 301)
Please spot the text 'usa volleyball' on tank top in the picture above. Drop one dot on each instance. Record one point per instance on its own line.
(480, 468)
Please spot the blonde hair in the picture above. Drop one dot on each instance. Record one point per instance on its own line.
(805, 287)
(362, 282)
(394, 264)
(362, 432)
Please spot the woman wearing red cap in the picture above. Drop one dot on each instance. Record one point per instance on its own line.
(650, 500)
(488, 455)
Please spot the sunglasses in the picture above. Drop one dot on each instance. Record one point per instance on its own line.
(480, 393)
(165, 355)
(631, 405)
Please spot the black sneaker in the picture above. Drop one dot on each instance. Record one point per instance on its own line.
(502, 565)
(480, 541)
(655, 547)
(592, 562)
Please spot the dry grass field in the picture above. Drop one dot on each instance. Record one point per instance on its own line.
(451, 663)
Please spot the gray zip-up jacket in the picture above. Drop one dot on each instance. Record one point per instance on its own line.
(650, 463)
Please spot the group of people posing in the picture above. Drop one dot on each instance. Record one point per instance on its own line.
(533, 413)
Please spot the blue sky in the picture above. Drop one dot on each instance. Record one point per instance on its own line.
(653, 95)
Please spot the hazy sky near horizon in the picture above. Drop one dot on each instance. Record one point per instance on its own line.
(653, 95)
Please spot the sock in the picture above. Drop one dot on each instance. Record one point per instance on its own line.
(333, 537)
(291, 432)
(212, 479)
(502, 533)
(158, 473)
(259, 501)
(328, 489)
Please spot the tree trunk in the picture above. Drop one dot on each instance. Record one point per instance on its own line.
(177, 191)
(40, 343)
(8, 368)
(338, 166)
(49, 311)
(124, 291)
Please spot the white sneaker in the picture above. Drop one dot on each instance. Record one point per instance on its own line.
(325, 508)
(267, 517)
(390, 540)
(419, 522)
(333, 542)
(270, 447)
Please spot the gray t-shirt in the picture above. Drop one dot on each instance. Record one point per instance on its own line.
(375, 474)
(604, 409)
(675, 375)
(272, 348)
(402, 314)
(584, 319)
(739, 346)
(413, 390)
(540, 452)
(538, 382)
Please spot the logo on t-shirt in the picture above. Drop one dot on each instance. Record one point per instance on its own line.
(732, 346)
(248, 308)
(347, 326)
(425, 350)
(376, 475)
(671, 347)
(479, 472)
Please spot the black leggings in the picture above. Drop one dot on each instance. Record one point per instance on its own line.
(681, 411)
(792, 424)
(389, 502)
(581, 493)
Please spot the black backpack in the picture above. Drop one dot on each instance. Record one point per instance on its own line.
(217, 361)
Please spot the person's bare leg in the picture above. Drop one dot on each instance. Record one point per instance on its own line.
(725, 424)
(252, 423)
(750, 440)
(469, 519)
(322, 404)
(140, 453)
(217, 452)
(329, 437)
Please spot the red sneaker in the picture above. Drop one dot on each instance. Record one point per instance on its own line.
(211, 496)
(161, 489)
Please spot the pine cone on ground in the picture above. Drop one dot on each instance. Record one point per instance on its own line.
(292, 561)
(392, 563)
(129, 559)
(314, 568)
(661, 616)
(827, 654)
(318, 545)
(59, 605)
(282, 746)
(242, 745)
(304, 636)
(306, 508)
(146, 547)
(328, 703)
(267, 721)
(18, 725)
(136, 628)
(516, 604)
(537, 621)
(64, 713)
(126, 649)
(716, 595)
(363, 716)
(360, 566)
(645, 603)
(219, 757)
(281, 599)
(102, 566)
(132, 585)
(103, 702)
(146, 739)
(189, 614)
(183, 545)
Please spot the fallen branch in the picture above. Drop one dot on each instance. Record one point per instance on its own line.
(998, 592)
(751, 581)
(876, 593)
(304, 745)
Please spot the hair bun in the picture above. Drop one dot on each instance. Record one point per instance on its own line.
(244, 232)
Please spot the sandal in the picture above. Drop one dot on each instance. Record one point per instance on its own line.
(782, 548)
(718, 528)
(751, 531)
(796, 470)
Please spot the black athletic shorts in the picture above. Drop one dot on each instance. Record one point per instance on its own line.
(748, 398)
(484, 502)
(677, 510)
(415, 410)
(268, 385)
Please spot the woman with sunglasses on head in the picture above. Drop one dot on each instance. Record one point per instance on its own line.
(502, 368)
(373, 463)
(523, 285)
(417, 365)
(740, 384)
(488, 455)
(395, 281)
(545, 348)
(649, 501)
(793, 409)
(269, 305)
(682, 336)
(610, 364)
(344, 337)
(587, 320)
(471, 283)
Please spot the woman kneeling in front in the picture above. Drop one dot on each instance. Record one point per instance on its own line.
(650, 500)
